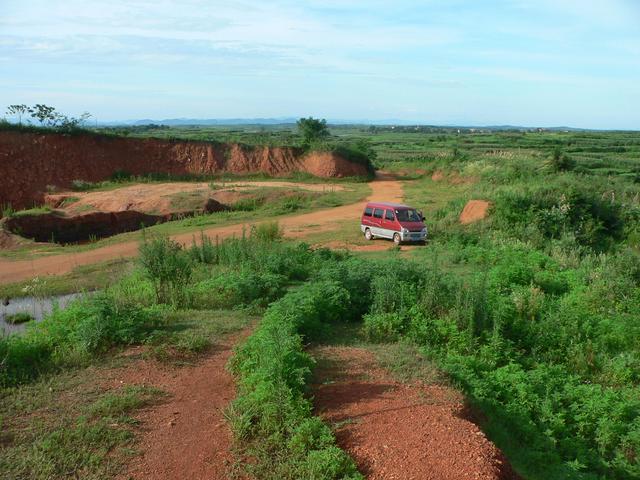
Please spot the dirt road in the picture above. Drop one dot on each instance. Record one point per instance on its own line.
(398, 431)
(296, 226)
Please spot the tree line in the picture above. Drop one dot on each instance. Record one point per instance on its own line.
(46, 116)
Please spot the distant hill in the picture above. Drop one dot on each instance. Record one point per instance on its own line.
(177, 122)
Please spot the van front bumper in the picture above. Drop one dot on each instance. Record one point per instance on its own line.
(413, 236)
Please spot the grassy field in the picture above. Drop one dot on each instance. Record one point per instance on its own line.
(533, 313)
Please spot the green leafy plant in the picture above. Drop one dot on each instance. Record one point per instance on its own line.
(169, 267)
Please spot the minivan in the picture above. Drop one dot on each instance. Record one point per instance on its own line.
(394, 221)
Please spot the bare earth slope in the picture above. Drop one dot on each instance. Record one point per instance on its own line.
(29, 162)
(294, 226)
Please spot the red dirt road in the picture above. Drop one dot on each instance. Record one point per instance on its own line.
(295, 226)
(186, 436)
(397, 431)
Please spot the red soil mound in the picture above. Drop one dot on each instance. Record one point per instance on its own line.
(29, 162)
(473, 211)
(437, 176)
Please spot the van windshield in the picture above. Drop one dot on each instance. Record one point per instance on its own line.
(409, 215)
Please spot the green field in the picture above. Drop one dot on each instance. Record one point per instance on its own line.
(533, 312)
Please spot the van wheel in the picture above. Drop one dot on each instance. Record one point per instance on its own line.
(396, 238)
(368, 235)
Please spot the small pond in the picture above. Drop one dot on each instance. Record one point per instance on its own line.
(37, 307)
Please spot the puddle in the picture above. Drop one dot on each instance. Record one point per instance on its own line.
(38, 308)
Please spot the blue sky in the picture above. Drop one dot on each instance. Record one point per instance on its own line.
(525, 62)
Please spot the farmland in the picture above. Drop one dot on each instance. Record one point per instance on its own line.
(528, 318)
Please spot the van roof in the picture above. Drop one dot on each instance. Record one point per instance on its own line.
(387, 204)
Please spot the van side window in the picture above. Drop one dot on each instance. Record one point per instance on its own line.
(388, 214)
(378, 213)
(368, 211)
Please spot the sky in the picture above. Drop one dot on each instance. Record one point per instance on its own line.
(461, 62)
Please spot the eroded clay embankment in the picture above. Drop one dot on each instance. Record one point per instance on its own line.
(30, 162)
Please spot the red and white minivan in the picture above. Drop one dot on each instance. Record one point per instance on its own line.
(399, 223)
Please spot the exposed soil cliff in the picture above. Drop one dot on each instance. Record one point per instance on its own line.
(29, 162)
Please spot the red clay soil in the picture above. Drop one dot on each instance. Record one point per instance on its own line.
(295, 226)
(159, 198)
(401, 431)
(437, 176)
(31, 162)
(474, 211)
(185, 437)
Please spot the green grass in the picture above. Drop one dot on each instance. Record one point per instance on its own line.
(42, 210)
(81, 279)
(67, 425)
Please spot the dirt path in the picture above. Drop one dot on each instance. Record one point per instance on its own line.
(400, 431)
(295, 226)
(186, 436)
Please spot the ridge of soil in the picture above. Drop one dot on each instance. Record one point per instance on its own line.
(385, 188)
(400, 431)
(185, 436)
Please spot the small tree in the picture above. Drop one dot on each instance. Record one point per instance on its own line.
(559, 161)
(71, 123)
(45, 114)
(17, 110)
(312, 129)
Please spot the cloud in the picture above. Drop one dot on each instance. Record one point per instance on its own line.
(370, 53)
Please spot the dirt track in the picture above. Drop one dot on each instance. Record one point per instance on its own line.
(294, 226)
(397, 431)
(186, 436)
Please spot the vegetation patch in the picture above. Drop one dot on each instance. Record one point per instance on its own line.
(271, 418)
(18, 318)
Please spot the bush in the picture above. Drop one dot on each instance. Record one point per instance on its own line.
(383, 327)
(238, 288)
(81, 185)
(266, 232)
(168, 267)
(558, 210)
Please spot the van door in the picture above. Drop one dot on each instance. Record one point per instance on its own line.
(389, 224)
(376, 222)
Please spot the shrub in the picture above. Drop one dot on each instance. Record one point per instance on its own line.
(266, 232)
(559, 161)
(168, 266)
(237, 288)
(383, 327)
(81, 185)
